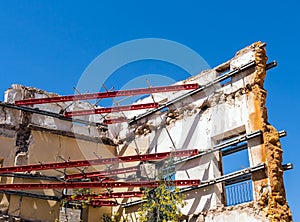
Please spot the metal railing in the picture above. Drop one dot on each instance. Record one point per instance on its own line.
(239, 193)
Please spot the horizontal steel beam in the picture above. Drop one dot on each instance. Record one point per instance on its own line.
(246, 177)
(100, 174)
(232, 142)
(31, 176)
(234, 149)
(113, 160)
(108, 94)
(206, 183)
(228, 179)
(31, 195)
(126, 194)
(51, 114)
(75, 185)
(111, 109)
(201, 88)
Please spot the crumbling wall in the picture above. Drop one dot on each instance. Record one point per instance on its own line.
(248, 212)
(27, 138)
(221, 111)
(273, 198)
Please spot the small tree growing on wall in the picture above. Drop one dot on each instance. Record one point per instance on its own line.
(161, 204)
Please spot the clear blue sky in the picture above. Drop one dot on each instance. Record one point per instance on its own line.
(48, 44)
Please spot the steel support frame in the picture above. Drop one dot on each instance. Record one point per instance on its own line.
(31, 195)
(201, 88)
(54, 115)
(231, 178)
(100, 174)
(228, 179)
(108, 195)
(113, 160)
(231, 142)
(108, 94)
(105, 173)
(106, 184)
(111, 109)
(220, 179)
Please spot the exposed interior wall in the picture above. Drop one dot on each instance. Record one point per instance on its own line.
(203, 120)
(220, 112)
(7, 146)
(48, 147)
(33, 139)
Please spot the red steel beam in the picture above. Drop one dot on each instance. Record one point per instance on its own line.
(113, 160)
(101, 173)
(110, 94)
(126, 194)
(108, 184)
(111, 109)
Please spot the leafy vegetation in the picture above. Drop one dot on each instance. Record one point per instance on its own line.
(161, 204)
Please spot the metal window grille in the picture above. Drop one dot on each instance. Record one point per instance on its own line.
(239, 193)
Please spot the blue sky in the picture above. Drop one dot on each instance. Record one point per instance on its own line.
(48, 44)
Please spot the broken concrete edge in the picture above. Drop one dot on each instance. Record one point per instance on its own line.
(25, 124)
(250, 208)
(273, 199)
(243, 60)
(51, 114)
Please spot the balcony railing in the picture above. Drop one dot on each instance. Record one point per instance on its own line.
(239, 193)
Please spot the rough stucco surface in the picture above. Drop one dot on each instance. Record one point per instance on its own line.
(206, 119)
(33, 139)
(248, 212)
(273, 199)
(270, 191)
(224, 110)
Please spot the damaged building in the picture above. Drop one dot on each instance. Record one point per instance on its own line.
(52, 147)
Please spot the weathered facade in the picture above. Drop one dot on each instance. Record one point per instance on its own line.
(30, 138)
(224, 116)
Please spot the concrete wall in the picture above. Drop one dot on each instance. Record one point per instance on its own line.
(199, 122)
(221, 111)
(248, 212)
(32, 139)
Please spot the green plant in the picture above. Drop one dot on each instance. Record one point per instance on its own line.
(161, 204)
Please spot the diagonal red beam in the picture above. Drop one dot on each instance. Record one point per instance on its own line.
(111, 109)
(106, 184)
(110, 94)
(101, 173)
(126, 194)
(113, 160)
